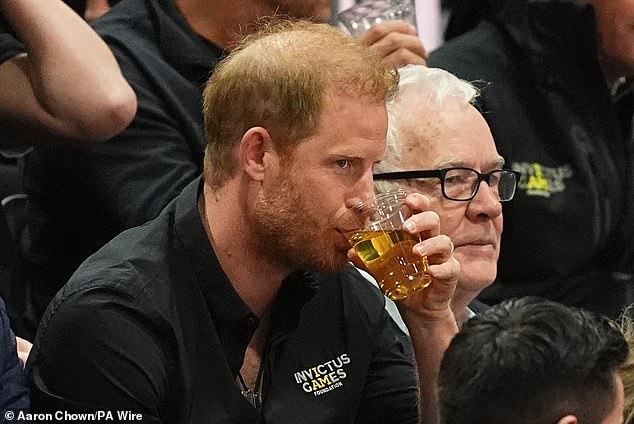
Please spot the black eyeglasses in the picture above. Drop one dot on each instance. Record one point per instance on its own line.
(462, 184)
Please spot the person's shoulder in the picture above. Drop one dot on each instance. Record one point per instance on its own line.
(363, 284)
(127, 16)
(131, 272)
(112, 296)
(131, 30)
(353, 289)
(128, 263)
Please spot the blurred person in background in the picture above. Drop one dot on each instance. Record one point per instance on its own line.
(59, 84)
(555, 95)
(63, 83)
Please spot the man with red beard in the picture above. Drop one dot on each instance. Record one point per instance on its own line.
(80, 198)
(237, 304)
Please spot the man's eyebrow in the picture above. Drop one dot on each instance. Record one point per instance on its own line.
(451, 163)
(455, 163)
(499, 163)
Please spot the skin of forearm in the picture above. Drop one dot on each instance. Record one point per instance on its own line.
(75, 79)
(430, 338)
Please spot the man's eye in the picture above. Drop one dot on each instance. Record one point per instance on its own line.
(342, 163)
(455, 179)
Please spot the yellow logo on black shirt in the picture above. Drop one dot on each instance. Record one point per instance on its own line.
(324, 377)
(540, 180)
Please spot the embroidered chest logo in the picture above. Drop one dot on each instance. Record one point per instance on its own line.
(324, 377)
(540, 180)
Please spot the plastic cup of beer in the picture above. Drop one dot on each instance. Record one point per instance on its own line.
(363, 15)
(384, 247)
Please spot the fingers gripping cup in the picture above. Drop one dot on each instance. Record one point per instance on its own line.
(367, 13)
(384, 247)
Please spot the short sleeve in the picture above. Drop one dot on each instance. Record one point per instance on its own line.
(9, 47)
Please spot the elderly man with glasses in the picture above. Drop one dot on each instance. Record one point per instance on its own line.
(441, 146)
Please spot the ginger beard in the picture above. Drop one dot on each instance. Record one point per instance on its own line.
(288, 231)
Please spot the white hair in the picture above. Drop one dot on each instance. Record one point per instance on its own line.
(418, 85)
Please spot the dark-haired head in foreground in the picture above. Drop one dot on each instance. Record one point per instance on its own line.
(533, 361)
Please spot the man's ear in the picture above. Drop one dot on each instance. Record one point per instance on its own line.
(568, 419)
(255, 145)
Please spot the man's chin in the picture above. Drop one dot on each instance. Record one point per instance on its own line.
(334, 264)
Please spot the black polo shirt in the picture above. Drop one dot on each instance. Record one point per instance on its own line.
(81, 197)
(151, 324)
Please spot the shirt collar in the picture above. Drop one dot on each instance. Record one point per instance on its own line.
(234, 322)
(466, 315)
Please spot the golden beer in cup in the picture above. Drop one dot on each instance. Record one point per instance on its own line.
(384, 247)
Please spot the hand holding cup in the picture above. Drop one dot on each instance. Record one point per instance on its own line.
(375, 229)
(433, 303)
(388, 27)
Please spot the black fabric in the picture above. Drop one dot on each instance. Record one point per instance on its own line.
(14, 395)
(11, 286)
(8, 256)
(82, 197)
(157, 328)
(9, 46)
(550, 112)
(465, 15)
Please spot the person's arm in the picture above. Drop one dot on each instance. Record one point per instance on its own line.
(430, 333)
(427, 313)
(396, 42)
(68, 86)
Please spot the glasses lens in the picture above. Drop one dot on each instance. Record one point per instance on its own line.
(460, 184)
(506, 183)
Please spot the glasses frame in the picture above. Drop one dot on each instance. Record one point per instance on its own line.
(441, 173)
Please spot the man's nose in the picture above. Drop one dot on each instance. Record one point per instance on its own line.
(486, 201)
(364, 189)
